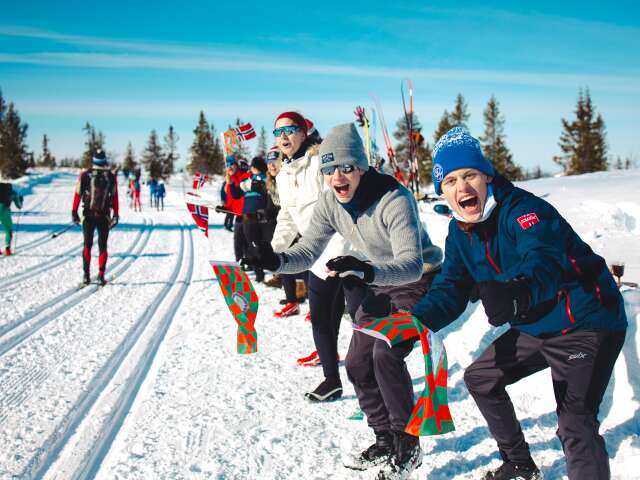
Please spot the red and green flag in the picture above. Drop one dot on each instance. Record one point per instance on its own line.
(242, 300)
(431, 415)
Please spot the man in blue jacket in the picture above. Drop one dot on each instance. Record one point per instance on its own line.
(517, 254)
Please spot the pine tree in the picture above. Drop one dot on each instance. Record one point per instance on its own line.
(422, 148)
(583, 140)
(129, 163)
(14, 158)
(444, 125)
(153, 156)
(460, 116)
(46, 159)
(171, 152)
(262, 143)
(93, 142)
(493, 142)
(206, 149)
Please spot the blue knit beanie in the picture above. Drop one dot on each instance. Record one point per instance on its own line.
(457, 149)
(99, 158)
(230, 161)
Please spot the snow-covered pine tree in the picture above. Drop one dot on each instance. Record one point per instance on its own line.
(583, 141)
(129, 163)
(460, 116)
(153, 156)
(493, 142)
(204, 157)
(444, 125)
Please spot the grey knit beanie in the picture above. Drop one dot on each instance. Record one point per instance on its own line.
(343, 146)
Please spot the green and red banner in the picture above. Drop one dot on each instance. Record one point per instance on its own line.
(242, 300)
(431, 415)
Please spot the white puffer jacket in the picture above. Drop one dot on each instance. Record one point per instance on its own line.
(299, 187)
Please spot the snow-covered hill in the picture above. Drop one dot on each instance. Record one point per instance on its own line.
(140, 379)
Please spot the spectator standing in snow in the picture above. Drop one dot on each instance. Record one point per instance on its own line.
(379, 218)
(7, 196)
(97, 189)
(255, 202)
(160, 193)
(517, 254)
(234, 202)
(153, 190)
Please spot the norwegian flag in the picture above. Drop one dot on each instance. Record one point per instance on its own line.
(201, 216)
(245, 132)
(199, 180)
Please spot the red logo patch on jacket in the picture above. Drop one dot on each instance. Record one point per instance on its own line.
(528, 220)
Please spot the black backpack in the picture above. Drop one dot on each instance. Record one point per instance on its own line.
(98, 192)
(5, 194)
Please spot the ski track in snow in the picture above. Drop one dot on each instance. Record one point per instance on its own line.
(141, 379)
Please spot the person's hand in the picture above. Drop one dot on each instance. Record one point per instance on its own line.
(348, 266)
(266, 258)
(114, 221)
(75, 217)
(504, 302)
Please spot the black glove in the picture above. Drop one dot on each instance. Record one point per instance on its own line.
(75, 217)
(114, 221)
(505, 302)
(348, 266)
(376, 305)
(266, 258)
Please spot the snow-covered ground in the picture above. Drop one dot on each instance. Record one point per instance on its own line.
(141, 379)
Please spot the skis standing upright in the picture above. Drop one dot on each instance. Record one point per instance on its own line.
(414, 181)
(387, 141)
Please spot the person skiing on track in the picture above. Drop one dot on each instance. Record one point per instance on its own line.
(97, 189)
(7, 196)
(516, 253)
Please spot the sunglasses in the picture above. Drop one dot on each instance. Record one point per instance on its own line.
(288, 129)
(343, 169)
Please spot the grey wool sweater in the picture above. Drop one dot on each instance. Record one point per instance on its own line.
(384, 228)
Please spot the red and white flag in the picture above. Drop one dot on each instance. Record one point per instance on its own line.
(201, 216)
(245, 132)
(199, 180)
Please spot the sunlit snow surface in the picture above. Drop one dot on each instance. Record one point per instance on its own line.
(141, 380)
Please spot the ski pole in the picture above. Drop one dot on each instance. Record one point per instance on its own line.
(60, 232)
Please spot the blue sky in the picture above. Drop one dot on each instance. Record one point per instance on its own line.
(129, 67)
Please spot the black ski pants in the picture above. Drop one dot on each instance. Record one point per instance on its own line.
(239, 241)
(89, 225)
(326, 304)
(581, 364)
(378, 373)
(252, 231)
(289, 284)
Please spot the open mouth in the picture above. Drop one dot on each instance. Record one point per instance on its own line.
(469, 203)
(342, 190)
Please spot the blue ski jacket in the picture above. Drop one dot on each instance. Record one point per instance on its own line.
(570, 286)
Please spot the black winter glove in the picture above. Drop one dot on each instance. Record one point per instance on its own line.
(350, 267)
(266, 257)
(75, 217)
(505, 302)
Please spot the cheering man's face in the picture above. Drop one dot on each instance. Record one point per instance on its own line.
(466, 192)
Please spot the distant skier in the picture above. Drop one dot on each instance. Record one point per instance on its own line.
(134, 188)
(8, 195)
(532, 271)
(160, 193)
(153, 190)
(98, 190)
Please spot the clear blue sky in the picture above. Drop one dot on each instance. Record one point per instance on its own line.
(129, 67)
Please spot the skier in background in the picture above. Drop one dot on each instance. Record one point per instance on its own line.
(97, 189)
(160, 193)
(134, 185)
(153, 190)
(517, 254)
(7, 196)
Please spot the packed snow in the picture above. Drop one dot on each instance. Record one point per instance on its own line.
(140, 379)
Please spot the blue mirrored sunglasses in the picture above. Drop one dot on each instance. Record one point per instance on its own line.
(288, 129)
(347, 168)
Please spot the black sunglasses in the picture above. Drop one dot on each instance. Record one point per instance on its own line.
(347, 168)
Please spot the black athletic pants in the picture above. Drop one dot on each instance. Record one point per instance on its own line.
(326, 304)
(581, 364)
(239, 242)
(378, 373)
(289, 284)
(89, 225)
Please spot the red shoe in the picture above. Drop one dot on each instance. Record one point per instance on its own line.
(288, 310)
(309, 358)
(7, 251)
(307, 317)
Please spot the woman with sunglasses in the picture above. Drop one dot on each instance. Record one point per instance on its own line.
(299, 187)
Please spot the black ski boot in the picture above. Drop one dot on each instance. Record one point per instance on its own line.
(406, 458)
(330, 389)
(515, 471)
(376, 454)
(101, 280)
(86, 280)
